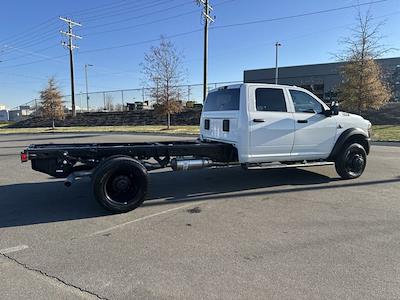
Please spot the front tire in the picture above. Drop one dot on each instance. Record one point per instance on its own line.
(351, 162)
(120, 184)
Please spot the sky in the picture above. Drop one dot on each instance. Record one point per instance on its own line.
(117, 33)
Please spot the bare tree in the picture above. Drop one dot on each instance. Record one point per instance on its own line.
(109, 103)
(163, 71)
(51, 102)
(118, 107)
(363, 86)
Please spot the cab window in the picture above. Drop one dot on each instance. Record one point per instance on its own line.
(304, 103)
(270, 100)
(221, 100)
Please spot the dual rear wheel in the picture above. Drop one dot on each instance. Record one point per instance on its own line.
(120, 184)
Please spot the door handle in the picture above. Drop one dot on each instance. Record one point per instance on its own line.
(302, 121)
(258, 120)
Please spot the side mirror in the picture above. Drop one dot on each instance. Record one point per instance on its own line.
(334, 108)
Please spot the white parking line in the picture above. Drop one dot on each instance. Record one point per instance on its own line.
(142, 218)
(13, 249)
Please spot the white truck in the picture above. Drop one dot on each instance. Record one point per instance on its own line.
(249, 125)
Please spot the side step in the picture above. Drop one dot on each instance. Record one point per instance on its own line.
(283, 166)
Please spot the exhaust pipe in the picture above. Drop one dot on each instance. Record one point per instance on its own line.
(190, 164)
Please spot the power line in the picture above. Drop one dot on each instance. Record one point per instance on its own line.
(32, 40)
(31, 53)
(289, 39)
(141, 42)
(138, 16)
(144, 24)
(298, 15)
(124, 11)
(32, 33)
(26, 35)
(198, 30)
(233, 25)
(55, 58)
(28, 32)
(30, 44)
(109, 6)
(155, 21)
(28, 53)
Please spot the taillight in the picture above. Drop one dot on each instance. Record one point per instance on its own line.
(207, 124)
(24, 157)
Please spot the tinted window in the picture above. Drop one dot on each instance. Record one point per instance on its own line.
(270, 100)
(227, 99)
(305, 103)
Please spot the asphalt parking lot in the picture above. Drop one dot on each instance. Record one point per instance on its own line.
(208, 234)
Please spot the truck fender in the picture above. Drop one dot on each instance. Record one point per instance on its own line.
(353, 134)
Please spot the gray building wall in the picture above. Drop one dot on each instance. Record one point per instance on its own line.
(322, 79)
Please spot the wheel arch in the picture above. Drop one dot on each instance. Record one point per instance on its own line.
(351, 135)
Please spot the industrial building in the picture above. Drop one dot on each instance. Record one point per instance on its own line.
(3, 113)
(323, 79)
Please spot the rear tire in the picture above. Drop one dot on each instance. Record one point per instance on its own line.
(120, 184)
(351, 161)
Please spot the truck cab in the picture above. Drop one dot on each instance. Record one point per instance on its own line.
(270, 123)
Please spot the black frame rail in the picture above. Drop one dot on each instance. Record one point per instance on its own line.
(60, 160)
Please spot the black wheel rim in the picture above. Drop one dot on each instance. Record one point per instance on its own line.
(121, 187)
(355, 163)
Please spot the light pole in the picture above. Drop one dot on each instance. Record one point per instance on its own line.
(277, 45)
(87, 88)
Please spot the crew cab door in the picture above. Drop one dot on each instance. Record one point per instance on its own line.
(271, 125)
(314, 132)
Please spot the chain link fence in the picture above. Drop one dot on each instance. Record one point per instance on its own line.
(117, 100)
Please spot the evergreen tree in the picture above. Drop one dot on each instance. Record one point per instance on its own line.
(363, 86)
(51, 102)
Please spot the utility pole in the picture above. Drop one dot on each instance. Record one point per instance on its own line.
(87, 88)
(70, 45)
(277, 45)
(207, 20)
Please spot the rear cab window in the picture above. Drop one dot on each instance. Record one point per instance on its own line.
(223, 100)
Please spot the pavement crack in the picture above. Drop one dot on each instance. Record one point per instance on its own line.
(58, 280)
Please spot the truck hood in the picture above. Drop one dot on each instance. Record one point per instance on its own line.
(355, 120)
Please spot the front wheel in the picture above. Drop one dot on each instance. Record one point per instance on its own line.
(120, 184)
(351, 162)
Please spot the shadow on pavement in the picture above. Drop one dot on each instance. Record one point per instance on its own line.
(46, 202)
(222, 184)
(34, 203)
